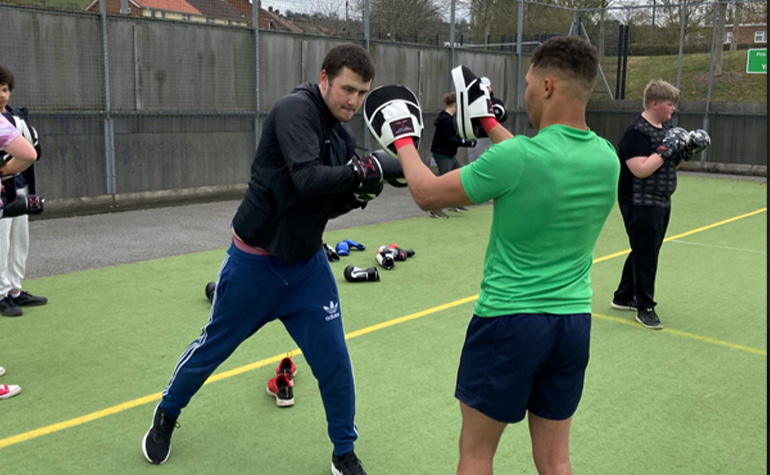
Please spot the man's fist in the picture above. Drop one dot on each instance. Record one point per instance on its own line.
(673, 144)
(367, 170)
(369, 173)
(697, 141)
(391, 169)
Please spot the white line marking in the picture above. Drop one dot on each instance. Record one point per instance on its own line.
(718, 247)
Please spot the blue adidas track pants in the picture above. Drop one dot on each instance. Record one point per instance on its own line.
(253, 290)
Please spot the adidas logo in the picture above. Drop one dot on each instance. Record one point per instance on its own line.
(332, 311)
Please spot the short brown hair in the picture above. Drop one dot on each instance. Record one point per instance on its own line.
(572, 56)
(450, 98)
(659, 90)
(351, 56)
(6, 77)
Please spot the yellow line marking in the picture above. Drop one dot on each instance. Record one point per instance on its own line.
(678, 236)
(274, 359)
(692, 336)
(216, 377)
(413, 316)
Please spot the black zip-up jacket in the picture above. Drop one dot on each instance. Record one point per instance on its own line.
(445, 138)
(299, 177)
(27, 177)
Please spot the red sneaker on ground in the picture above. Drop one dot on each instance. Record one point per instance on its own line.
(287, 367)
(282, 390)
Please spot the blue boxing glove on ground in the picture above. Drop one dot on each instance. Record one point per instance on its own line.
(354, 245)
(343, 248)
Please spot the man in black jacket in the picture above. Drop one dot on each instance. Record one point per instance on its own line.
(305, 172)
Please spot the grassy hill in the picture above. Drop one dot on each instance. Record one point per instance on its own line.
(733, 85)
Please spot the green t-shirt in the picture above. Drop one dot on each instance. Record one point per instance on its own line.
(552, 194)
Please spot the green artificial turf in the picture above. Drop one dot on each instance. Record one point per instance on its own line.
(690, 399)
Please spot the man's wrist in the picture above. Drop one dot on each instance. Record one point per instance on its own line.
(488, 123)
(403, 142)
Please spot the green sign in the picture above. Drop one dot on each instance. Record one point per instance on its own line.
(756, 62)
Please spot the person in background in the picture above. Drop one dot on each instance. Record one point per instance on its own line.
(445, 144)
(650, 151)
(14, 232)
(21, 155)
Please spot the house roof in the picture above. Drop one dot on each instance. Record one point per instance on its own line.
(168, 5)
(218, 9)
(271, 19)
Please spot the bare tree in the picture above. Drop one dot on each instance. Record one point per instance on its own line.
(403, 20)
(670, 16)
(737, 12)
(605, 4)
(719, 41)
(755, 12)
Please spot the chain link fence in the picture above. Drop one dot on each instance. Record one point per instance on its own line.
(150, 97)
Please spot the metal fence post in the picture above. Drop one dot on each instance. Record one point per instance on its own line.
(682, 11)
(367, 138)
(517, 82)
(257, 119)
(711, 77)
(109, 129)
(452, 39)
(366, 24)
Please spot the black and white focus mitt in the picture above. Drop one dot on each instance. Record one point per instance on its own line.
(473, 101)
(393, 112)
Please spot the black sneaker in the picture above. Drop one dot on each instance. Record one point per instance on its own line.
(624, 304)
(26, 299)
(648, 318)
(156, 444)
(9, 308)
(347, 464)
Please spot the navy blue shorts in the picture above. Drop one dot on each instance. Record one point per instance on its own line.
(512, 364)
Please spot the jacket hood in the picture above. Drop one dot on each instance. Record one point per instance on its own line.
(312, 91)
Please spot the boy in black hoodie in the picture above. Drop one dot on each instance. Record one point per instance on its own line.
(445, 144)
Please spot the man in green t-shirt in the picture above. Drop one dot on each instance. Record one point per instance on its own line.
(527, 346)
